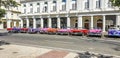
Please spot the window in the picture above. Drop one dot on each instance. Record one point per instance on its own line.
(109, 4)
(64, 7)
(24, 5)
(98, 4)
(30, 4)
(45, 3)
(87, 4)
(63, 0)
(73, 0)
(31, 10)
(54, 8)
(38, 3)
(45, 9)
(54, 1)
(74, 6)
(38, 9)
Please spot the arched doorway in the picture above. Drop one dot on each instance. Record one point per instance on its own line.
(17, 23)
(99, 23)
(45, 22)
(12, 24)
(24, 23)
(86, 24)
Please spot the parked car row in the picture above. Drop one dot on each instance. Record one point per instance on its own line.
(91, 32)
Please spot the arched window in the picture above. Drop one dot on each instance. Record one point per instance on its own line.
(99, 21)
(86, 21)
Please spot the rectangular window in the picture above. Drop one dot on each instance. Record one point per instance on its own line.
(54, 8)
(30, 4)
(64, 7)
(45, 3)
(73, 0)
(74, 6)
(38, 9)
(38, 3)
(63, 0)
(24, 5)
(109, 4)
(31, 10)
(87, 4)
(98, 4)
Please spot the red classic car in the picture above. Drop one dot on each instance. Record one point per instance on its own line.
(9, 29)
(24, 30)
(78, 31)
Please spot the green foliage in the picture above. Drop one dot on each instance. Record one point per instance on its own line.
(7, 4)
(2, 13)
(115, 3)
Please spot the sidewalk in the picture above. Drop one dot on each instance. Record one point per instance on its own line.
(16, 51)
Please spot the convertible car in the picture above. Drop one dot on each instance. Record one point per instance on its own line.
(24, 30)
(78, 31)
(63, 31)
(33, 30)
(95, 32)
(13, 30)
(43, 30)
(114, 32)
(52, 30)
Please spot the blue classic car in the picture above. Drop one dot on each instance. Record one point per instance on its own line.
(114, 31)
(33, 30)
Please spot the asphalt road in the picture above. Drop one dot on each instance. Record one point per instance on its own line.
(65, 42)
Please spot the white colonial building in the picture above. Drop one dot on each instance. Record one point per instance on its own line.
(11, 18)
(69, 14)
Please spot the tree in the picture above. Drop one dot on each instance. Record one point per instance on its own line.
(115, 3)
(7, 4)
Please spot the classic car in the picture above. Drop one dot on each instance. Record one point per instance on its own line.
(9, 30)
(13, 30)
(52, 30)
(95, 32)
(33, 30)
(43, 30)
(24, 30)
(78, 31)
(63, 31)
(114, 31)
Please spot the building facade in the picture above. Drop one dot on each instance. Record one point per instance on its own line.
(11, 18)
(79, 14)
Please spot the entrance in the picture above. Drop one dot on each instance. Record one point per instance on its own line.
(4, 24)
(99, 23)
(86, 24)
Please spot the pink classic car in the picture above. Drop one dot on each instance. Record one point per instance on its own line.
(95, 32)
(43, 30)
(63, 31)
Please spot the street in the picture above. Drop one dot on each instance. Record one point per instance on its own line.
(65, 42)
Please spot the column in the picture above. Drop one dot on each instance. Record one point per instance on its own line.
(91, 22)
(8, 23)
(117, 20)
(58, 22)
(49, 22)
(34, 22)
(68, 22)
(41, 22)
(80, 22)
(27, 20)
(104, 21)
(15, 24)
